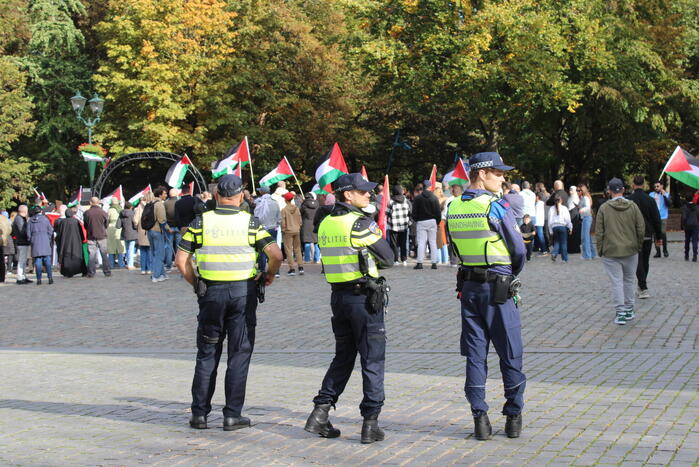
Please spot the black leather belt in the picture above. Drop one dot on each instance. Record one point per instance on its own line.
(477, 274)
(355, 287)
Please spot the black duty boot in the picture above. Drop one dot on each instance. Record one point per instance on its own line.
(319, 424)
(657, 253)
(513, 425)
(235, 423)
(198, 422)
(370, 429)
(418, 266)
(50, 280)
(482, 429)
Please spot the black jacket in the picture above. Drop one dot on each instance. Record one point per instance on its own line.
(184, 211)
(426, 206)
(690, 217)
(19, 231)
(649, 210)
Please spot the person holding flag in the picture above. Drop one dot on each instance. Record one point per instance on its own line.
(353, 248)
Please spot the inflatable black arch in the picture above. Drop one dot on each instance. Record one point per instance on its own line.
(143, 156)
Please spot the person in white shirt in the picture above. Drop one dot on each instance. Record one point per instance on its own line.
(559, 227)
(539, 220)
(529, 201)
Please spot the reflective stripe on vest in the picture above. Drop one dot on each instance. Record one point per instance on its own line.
(470, 231)
(341, 260)
(226, 253)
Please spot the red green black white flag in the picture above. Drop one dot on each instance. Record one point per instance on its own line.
(331, 168)
(175, 175)
(135, 199)
(282, 171)
(458, 175)
(684, 167)
(238, 155)
(76, 198)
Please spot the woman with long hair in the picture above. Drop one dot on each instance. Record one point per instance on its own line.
(559, 227)
(585, 210)
(142, 240)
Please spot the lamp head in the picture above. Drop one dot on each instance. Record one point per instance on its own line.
(96, 105)
(78, 103)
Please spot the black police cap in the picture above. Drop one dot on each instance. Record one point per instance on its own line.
(353, 181)
(229, 185)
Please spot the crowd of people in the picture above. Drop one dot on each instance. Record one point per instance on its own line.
(77, 240)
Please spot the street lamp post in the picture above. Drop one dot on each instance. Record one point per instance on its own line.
(96, 106)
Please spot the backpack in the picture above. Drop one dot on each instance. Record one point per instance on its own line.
(148, 216)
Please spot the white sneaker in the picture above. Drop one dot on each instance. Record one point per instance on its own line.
(396, 263)
(643, 294)
(405, 263)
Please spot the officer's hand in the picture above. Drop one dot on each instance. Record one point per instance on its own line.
(269, 278)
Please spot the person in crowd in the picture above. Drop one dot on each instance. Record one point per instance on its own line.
(398, 213)
(156, 236)
(291, 231)
(541, 188)
(558, 189)
(662, 200)
(442, 243)
(690, 224)
(6, 244)
(529, 205)
(19, 232)
(651, 217)
(172, 231)
(70, 238)
(40, 236)
(115, 248)
(142, 240)
(129, 234)
(528, 231)
(96, 223)
(309, 238)
(573, 204)
(184, 210)
(427, 215)
(456, 193)
(248, 203)
(585, 211)
(511, 194)
(559, 228)
(540, 224)
(270, 216)
(620, 231)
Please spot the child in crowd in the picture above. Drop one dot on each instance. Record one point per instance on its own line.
(528, 232)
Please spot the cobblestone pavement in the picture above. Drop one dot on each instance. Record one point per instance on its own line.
(97, 372)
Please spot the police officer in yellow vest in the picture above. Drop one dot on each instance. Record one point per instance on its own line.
(485, 236)
(226, 242)
(352, 249)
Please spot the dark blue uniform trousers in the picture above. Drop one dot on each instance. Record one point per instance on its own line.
(356, 330)
(225, 310)
(483, 321)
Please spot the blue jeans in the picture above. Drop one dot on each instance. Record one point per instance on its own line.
(46, 262)
(588, 248)
(444, 254)
(541, 239)
(130, 251)
(145, 258)
(307, 247)
(116, 260)
(560, 242)
(167, 236)
(262, 260)
(157, 246)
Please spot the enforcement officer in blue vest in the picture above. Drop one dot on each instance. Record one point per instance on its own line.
(485, 236)
(227, 242)
(352, 248)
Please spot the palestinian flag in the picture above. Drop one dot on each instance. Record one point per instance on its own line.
(281, 172)
(384, 205)
(684, 167)
(177, 172)
(433, 177)
(317, 190)
(107, 200)
(88, 156)
(135, 199)
(331, 168)
(235, 156)
(363, 173)
(458, 175)
(76, 198)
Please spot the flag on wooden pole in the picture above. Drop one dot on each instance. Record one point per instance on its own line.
(384, 206)
(433, 177)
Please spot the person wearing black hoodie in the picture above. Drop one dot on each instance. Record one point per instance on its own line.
(651, 216)
(690, 225)
(309, 238)
(427, 215)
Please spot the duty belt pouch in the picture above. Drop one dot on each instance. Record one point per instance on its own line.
(200, 287)
(377, 295)
(501, 289)
(261, 289)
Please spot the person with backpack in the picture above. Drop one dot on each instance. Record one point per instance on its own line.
(154, 219)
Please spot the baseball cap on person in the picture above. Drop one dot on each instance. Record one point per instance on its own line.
(488, 160)
(353, 181)
(615, 185)
(229, 185)
(288, 196)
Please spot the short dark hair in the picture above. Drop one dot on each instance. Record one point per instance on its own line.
(159, 191)
(340, 196)
(638, 180)
(659, 183)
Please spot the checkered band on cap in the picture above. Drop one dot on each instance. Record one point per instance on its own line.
(480, 165)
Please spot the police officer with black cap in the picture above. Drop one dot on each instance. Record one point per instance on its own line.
(352, 249)
(226, 242)
(485, 236)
